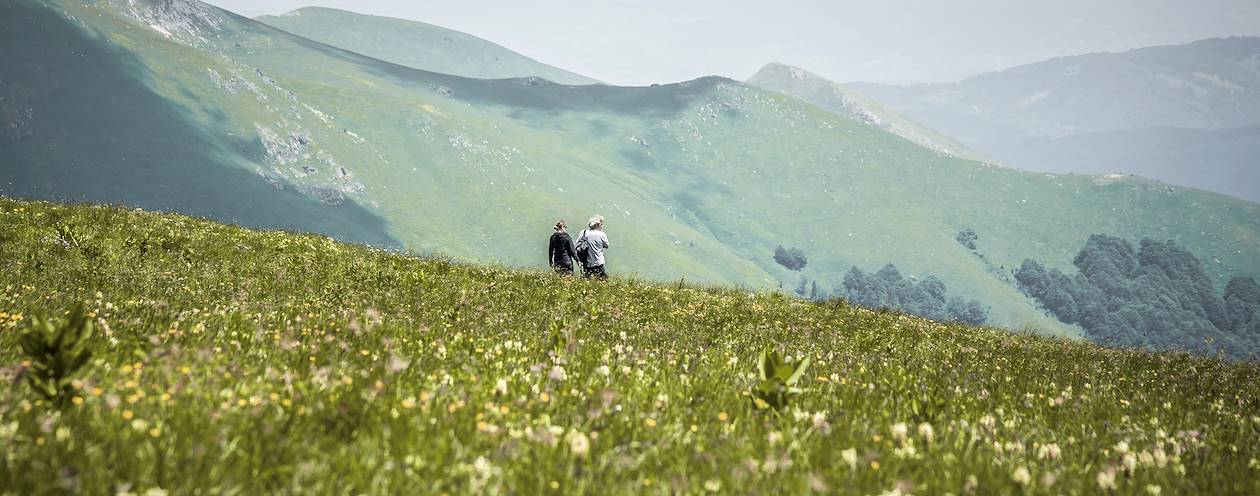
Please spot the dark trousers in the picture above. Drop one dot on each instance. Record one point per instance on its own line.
(595, 273)
(564, 270)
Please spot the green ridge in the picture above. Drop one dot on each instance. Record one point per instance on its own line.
(417, 45)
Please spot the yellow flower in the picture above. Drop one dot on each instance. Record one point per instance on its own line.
(722, 416)
(409, 403)
(127, 414)
(650, 422)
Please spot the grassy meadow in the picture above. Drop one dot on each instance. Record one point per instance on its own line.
(228, 361)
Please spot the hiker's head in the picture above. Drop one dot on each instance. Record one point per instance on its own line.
(560, 226)
(596, 222)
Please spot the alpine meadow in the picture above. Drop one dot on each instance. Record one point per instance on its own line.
(304, 254)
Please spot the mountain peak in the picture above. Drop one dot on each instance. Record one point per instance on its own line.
(843, 101)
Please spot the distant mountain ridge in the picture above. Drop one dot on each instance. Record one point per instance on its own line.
(416, 44)
(850, 103)
(1040, 116)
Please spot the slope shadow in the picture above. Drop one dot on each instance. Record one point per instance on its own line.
(82, 126)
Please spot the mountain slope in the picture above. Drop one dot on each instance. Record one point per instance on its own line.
(699, 180)
(1042, 116)
(417, 45)
(1224, 160)
(1208, 84)
(849, 103)
(228, 361)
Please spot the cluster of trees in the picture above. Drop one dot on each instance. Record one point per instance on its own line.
(1156, 296)
(792, 258)
(967, 237)
(926, 298)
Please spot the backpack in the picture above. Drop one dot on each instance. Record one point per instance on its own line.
(583, 249)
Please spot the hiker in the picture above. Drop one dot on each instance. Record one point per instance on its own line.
(593, 242)
(560, 251)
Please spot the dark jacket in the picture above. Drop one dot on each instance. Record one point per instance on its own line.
(560, 252)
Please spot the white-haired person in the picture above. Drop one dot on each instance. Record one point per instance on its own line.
(595, 241)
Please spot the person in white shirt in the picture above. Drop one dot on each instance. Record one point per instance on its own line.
(597, 239)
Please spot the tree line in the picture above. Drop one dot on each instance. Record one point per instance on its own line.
(1156, 296)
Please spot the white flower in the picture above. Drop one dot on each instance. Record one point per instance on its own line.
(501, 386)
(579, 444)
(1107, 479)
(1122, 447)
(850, 457)
(1130, 462)
(1153, 489)
(926, 432)
(820, 420)
(899, 431)
(1021, 476)
(603, 370)
(558, 374)
(1049, 451)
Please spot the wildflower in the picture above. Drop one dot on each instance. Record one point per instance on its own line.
(899, 431)
(722, 416)
(501, 387)
(819, 420)
(1021, 476)
(1153, 489)
(650, 422)
(603, 370)
(926, 432)
(409, 403)
(1106, 479)
(850, 457)
(1130, 462)
(579, 444)
(558, 374)
(712, 485)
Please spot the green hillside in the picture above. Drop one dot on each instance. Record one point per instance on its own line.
(417, 45)
(224, 361)
(847, 102)
(699, 180)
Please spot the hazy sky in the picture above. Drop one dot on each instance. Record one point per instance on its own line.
(896, 41)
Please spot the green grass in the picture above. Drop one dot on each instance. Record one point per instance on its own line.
(233, 361)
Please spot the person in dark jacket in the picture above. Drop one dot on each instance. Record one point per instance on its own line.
(560, 251)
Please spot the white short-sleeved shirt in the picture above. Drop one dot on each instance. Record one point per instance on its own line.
(599, 242)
